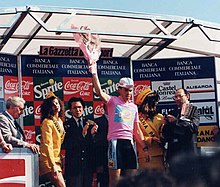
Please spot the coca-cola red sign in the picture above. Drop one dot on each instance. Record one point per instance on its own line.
(13, 174)
(98, 109)
(140, 86)
(11, 86)
(30, 134)
(77, 87)
(27, 88)
(37, 113)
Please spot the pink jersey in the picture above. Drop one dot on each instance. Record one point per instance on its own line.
(121, 118)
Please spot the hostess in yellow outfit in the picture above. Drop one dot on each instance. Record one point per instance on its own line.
(52, 136)
(151, 124)
(150, 129)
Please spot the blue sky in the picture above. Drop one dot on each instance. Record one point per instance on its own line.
(198, 9)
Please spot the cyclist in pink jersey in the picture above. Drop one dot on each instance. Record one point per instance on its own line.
(123, 127)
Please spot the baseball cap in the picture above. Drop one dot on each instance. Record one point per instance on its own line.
(142, 95)
(126, 82)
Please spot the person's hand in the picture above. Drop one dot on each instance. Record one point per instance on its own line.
(147, 154)
(215, 130)
(7, 148)
(85, 128)
(164, 120)
(94, 128)
(171, 118)
(93, 67)
(54, 172)
(34, 148)
(156, 139)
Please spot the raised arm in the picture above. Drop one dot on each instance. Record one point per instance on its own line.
(98, 90)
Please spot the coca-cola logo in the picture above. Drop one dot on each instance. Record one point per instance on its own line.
(37, 110)
(99, 110)
(28, 134)
(139, 88)
(81, 85)
(26, 85)
(11, 85)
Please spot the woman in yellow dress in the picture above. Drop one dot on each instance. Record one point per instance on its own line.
(151, 124)
(52, 136)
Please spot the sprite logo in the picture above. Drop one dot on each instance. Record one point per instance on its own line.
(41, 91)
(108, 87)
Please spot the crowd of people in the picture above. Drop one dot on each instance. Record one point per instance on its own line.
(132, 144)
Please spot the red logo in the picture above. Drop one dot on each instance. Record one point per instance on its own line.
(79, 87)
(13, 174)
(27, 88)
(140, 86)
(98, 109)
(10, 86)
(37, 114)
(29, 132)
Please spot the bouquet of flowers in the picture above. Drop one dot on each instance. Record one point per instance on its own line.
(90, 46)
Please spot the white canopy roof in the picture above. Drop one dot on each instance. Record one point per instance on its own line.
(137, 35)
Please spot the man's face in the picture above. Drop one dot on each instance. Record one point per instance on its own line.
(180, 97)
(77, 109)
(125, 93)
(16, 111)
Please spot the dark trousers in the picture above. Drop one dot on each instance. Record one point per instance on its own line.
(83, 179)
(103, 178)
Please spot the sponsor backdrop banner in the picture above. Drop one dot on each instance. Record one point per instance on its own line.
(8, 78)
(69, 76)
(66, 77)
(196, 74)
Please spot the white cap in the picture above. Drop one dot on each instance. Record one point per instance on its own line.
(126, 82)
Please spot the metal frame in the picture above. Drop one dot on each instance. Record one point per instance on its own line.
(167, 30)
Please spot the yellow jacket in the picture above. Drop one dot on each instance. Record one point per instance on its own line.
(51, 139)
(154, 147)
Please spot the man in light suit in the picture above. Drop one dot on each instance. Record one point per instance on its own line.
(11, 130)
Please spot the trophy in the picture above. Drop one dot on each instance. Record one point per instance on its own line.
(187, 112)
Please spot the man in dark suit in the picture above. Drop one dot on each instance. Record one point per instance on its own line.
(180, 128)
(78, 145)
(11, 130)
(101, 149)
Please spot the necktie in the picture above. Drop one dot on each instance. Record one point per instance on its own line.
(20, 130)
(79, 123)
